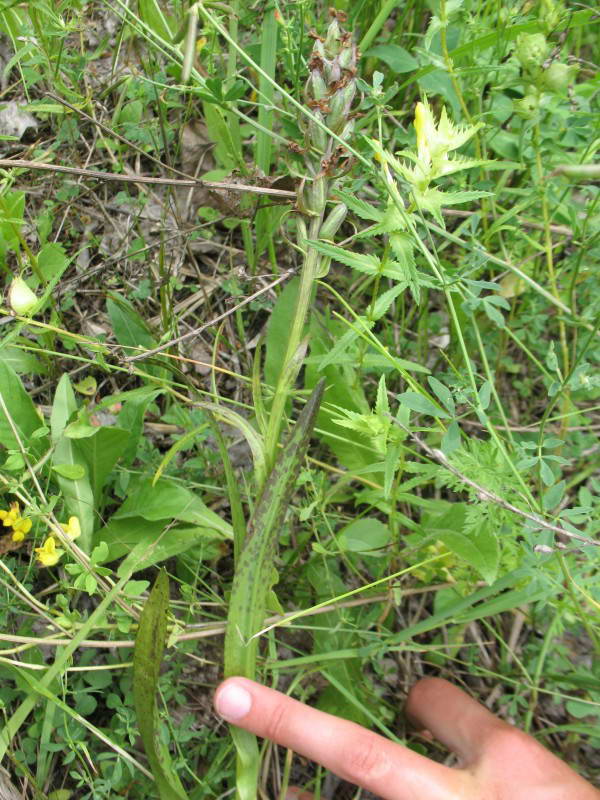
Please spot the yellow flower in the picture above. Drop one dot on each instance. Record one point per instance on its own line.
(49, 554)
(21, 528)
(10, 517)
(13, 519)
(426, 133)
(72, 528)
(434, 142)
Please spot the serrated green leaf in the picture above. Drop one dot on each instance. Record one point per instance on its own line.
(362, 262)
(385, 300)
(360, 207)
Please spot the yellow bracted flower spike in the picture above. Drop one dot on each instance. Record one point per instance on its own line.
(49, 554)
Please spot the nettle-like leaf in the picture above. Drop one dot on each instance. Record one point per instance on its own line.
(360, 207)
(433, 200)
(373, 426)
(391, 221)
(376, 425)
(385, 300)
(362, 262)
(344, 343)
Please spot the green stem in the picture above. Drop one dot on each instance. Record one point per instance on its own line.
(291, 363)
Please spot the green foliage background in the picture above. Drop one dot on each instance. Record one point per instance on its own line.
(445, 520)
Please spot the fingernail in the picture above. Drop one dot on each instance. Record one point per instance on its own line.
(233, 702)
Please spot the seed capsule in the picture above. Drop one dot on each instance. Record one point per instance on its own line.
(20, 297)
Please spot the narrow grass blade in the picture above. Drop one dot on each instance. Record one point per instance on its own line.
(147, 658)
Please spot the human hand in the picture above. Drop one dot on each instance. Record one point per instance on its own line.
(496, 761)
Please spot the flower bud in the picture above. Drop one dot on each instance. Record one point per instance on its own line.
(316, 195)
(339, 106)
(527, 107)
(333, 221)
(318, 85)
(557, 77)
(317, 137)
(531, 50)
(332, 39)
(20, 297)
(348, 130)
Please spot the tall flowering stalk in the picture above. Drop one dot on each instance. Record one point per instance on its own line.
(329, 93)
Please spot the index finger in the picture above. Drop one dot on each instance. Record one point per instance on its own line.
(360, 756)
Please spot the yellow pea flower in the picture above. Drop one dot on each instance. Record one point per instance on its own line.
(72, 528)
(49, 554)
(11, 516)
(20, 529)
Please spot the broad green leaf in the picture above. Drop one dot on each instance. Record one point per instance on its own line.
(451, 439)
(277, 331)
(102, 452)
(77, 491)
(442, 393)
(421, 404)
(79, 429)
(481, 550)
(396, 57)
(151, 543)
(129, 328)
(12, 207)
(168, 500)
(21, 411)
(72, 472)
(363, 535)
(21, 361)
(131, 417)
(132, 332)
(151, 13)
(147, 658)
(554, 495)
(52, 261)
